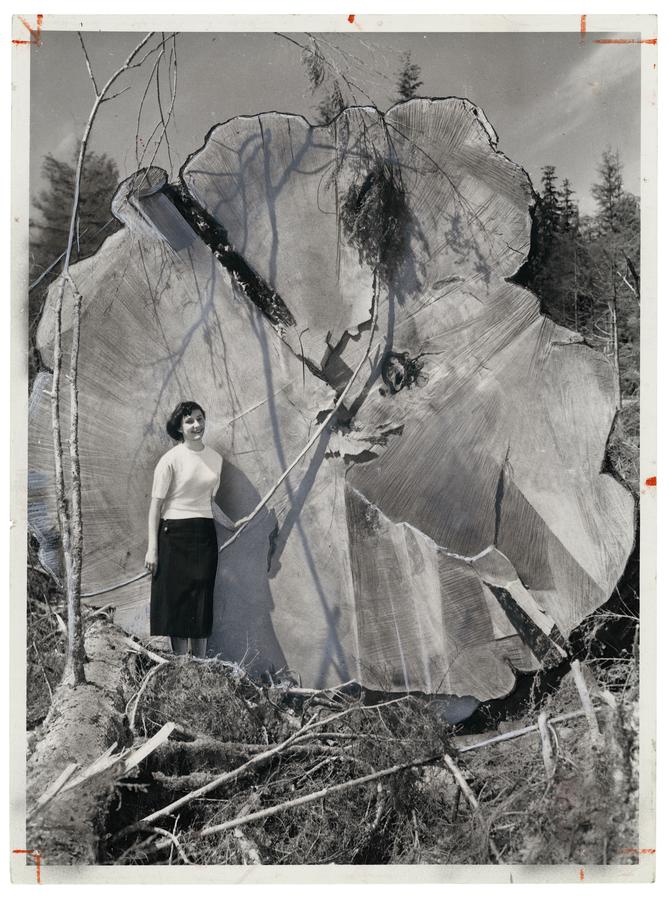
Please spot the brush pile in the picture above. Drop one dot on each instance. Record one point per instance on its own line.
(206, 765)
(315, 758)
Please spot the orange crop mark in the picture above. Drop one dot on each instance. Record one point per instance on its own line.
(582, 28)
(34, 32)
(351, 19)
(645, 850)
(624, 41)
(581, 875)
(37, 856)
(652, 481)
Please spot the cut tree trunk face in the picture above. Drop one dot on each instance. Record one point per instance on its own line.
(454, 523)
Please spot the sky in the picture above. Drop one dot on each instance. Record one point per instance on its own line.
(553, 98)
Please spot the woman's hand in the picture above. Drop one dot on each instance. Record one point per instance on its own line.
(151, 561)
(238, 524)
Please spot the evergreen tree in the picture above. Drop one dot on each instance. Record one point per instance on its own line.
(568, 209)
(609, 190)
(614, 264)
(408, 79)
(49, 230)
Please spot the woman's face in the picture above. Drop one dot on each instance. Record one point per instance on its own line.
(192, 426)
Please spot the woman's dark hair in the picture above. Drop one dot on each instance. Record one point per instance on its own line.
(174, 422)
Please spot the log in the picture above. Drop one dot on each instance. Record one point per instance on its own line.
(82, 728)
(452, 524)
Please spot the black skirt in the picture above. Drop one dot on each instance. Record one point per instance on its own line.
(182, 589)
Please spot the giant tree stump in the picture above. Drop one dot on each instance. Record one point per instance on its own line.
(454, 523)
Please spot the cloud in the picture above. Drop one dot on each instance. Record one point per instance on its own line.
(590, 97)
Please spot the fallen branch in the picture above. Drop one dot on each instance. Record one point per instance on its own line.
(139, 648)
(520, 732)
(206, 744)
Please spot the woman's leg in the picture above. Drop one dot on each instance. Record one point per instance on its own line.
(179, 645)
(199, 647)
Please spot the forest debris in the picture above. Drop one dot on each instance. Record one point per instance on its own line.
(316, 795)
(226, 777)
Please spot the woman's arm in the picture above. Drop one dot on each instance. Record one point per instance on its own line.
(221, 517)
(151, 561)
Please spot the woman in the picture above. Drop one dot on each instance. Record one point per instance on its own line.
(182, 550)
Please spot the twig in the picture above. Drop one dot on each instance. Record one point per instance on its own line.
(170, 839)
(115, 587)
(88, 64)
(149, 675)
(41, 665)
(456, 803)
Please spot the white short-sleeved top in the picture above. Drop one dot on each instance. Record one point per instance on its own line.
(187, 480)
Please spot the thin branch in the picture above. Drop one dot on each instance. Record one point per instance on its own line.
(469, 795)
(165, 123)
(115, 587)
(243, 523)
(520, 732)
(88, 64)
(117, 94)
(546, 744)
(586, 702)
(58, 259)
(149, 675)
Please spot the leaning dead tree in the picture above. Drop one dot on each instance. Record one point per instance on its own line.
(452, 523)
